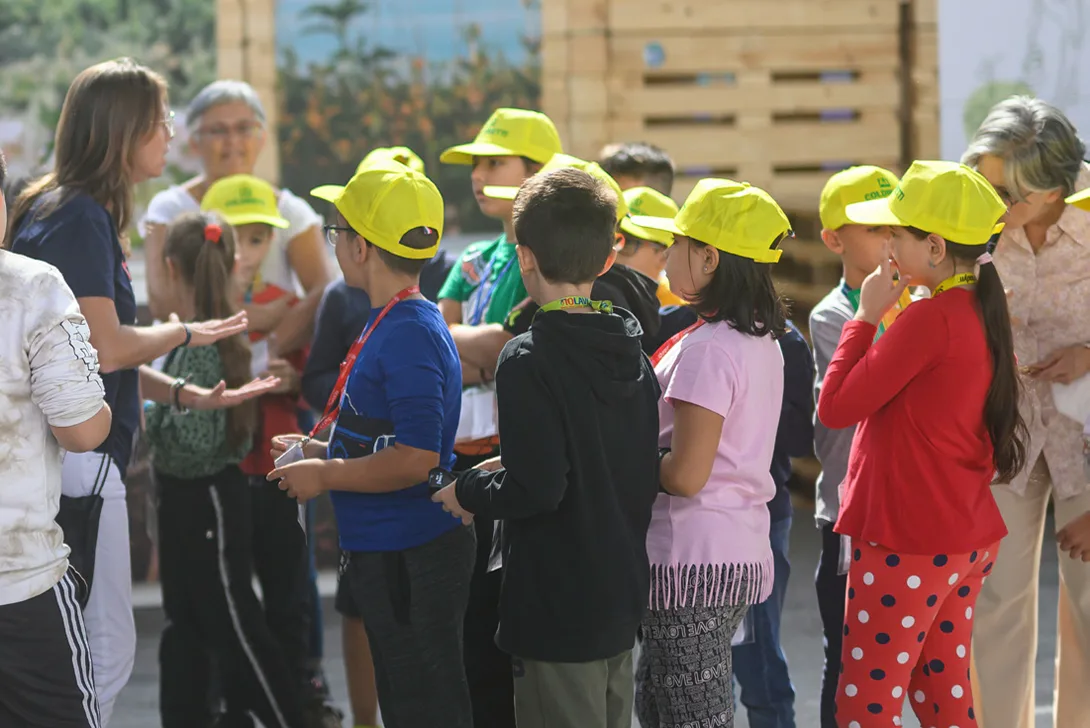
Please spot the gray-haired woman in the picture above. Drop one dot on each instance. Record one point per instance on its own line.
(1033, 156)
(226, 125)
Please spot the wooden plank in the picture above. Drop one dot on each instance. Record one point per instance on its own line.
(791, 51)
(877, 90)
(554, 17)
(588, 53)
(555, 54)
(554, 96)
(588, 94)
(749, 15)
(587, 137)
(926, 138)
(925, 12)
(586, 15)
(874, 135)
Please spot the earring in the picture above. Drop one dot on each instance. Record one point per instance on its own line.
(930, 264)
(706, 269)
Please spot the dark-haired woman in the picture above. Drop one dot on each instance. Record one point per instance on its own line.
(1033, 156)
(722, 383)
(114, 131)
(936, 400)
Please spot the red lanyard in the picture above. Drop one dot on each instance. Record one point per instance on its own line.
(674, 341)
(333, 406)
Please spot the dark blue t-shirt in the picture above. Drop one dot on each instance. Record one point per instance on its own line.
(79, 238)
(406, 388)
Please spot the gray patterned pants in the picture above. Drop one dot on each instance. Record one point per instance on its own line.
(684, 677)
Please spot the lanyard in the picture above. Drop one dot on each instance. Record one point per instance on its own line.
(955, 281)
(577, 302)
(333, 406)
(485, 291)
(674, 341)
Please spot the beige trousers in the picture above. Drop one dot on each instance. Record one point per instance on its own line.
(1005, 631)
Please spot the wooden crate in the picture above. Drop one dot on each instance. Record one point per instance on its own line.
(246, 51)
(923, 75)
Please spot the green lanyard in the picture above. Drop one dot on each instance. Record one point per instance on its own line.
(577, 302)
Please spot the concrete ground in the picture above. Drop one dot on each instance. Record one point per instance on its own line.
(138, 705)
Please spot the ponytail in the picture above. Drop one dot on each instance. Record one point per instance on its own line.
(1005, 424)
(203, 249)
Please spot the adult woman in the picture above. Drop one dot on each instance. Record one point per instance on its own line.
(226, 123)
(114, 131)
(1031, 154)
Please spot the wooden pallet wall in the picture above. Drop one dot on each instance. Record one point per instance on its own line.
(246, 51)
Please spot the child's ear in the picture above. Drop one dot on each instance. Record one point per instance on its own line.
(832, 241)
(359, 249)
(609, 262)
(527, 260)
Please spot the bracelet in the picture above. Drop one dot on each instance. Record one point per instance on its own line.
(663, 452)
(176, 386)
(188, 336)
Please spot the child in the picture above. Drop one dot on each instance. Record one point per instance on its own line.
(938, 393)
(480, 292)
(53, 401)
(620, 285)
(722, 381)
(205, 524)
(577, 409)
(342, 316)
(394, 415)
(280, 551)
(860, 249)
(637, 164)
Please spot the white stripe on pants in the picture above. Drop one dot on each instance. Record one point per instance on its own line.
(111, 630)
(76, 633)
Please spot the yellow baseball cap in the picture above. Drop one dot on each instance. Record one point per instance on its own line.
(385, 200)
(243, 199)
(644, 201)
(399, 154)
(1080, 199)
(944, 198)
(734, 217)
(856, 184)
(564, 161)
(509, 132)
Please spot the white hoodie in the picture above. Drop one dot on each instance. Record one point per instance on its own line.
(48, 377)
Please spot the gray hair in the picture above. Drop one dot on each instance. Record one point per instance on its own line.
(1039, 146)
(222, 92)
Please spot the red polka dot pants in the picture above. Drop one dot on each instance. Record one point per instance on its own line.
(907, 631)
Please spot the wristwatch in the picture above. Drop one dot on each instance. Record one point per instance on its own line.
(439, 478)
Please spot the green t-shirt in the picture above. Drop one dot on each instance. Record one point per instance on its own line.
(193, 445)
(486, 281)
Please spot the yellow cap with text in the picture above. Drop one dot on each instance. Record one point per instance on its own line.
(644, 201)
(509, 133)
(944, 198)
(734, 217)
(243, 199)
(385, 200)
(565, 161)
(856, 184)
(404, 155)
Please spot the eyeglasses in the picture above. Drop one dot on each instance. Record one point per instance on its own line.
(219, 132)
(168, 122)
(332, 231)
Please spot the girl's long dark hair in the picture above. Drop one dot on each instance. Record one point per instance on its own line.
(206, 266)
(1001, 416)
(741, 293)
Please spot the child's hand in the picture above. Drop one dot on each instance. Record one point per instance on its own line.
(489, 466)
(282, 443)
(451, 505)
(1063, 365)
(880, 291)
(220, 397)
(1074, 538)
(285, 372)
(303, 480)
(264, 317)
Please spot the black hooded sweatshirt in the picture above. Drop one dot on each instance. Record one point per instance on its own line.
(578, 423)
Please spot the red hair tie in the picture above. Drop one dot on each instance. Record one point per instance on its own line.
(213, 232)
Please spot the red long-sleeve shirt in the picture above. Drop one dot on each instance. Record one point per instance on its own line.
(921, 465)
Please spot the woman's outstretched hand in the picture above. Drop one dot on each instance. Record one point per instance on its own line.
(220, 397)
(203, 333)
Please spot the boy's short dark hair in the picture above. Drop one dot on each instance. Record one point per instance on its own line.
(419, 238)
(3, 172)
(643, 161)
(567, 219)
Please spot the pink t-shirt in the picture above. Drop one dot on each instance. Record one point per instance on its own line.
(705, 547)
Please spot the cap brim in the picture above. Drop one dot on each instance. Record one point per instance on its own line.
(998, 228)
(665, 224)
(662, 237)
(276, 222)
(329, 193)
(1080, 199)
(464, 153)
(500, 193)
(872, 212)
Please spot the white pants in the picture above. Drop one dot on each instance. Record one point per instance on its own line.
(1005, 631)
(111, 630)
